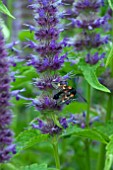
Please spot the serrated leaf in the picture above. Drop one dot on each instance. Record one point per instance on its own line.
(4, 10)
(109, 154)
(91, 78)
(87, 133)
(29, 138)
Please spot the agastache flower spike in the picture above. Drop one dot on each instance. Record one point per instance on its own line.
(48, 62)
(7, 148)
(88, 20)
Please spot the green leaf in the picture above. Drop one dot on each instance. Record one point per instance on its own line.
(91, 78)
(110, 57)
(4, 10)
(75, 107)
(26, 34)
(27, 75)
(29, 138)
(110, 4)
(105, 128)
(52, 169)
(5, 31)
(87, 133)
(109, 154)
(36, 167)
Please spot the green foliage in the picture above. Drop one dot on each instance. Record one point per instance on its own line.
(105, 128)
(109, 154)
(26, 35)
(87, 133)
(26, 77)
(89, 73)
(29, 138)
(4, 10)
(110, 4)
(74, 107)
(37, 167)
(5, 31)
(110, 57)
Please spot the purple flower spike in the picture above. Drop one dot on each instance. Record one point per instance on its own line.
(47, 62)
(6, 135)
(88, 20)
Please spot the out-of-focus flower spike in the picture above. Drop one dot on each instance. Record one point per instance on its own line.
(7, 149)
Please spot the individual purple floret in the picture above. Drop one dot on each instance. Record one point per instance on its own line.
(63, 122)
(6, 135)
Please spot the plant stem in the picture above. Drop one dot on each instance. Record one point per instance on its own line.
(87, 148)
(9, 19)
(87, 142)
(109, 108)
(88, 104)
(101, 158)
(56, 155)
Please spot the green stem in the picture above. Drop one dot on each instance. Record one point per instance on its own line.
(87, 148)
(87, 142)
(88, 104)
(101, 158)
(56, 155)
(109, 108)
(9, 19)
